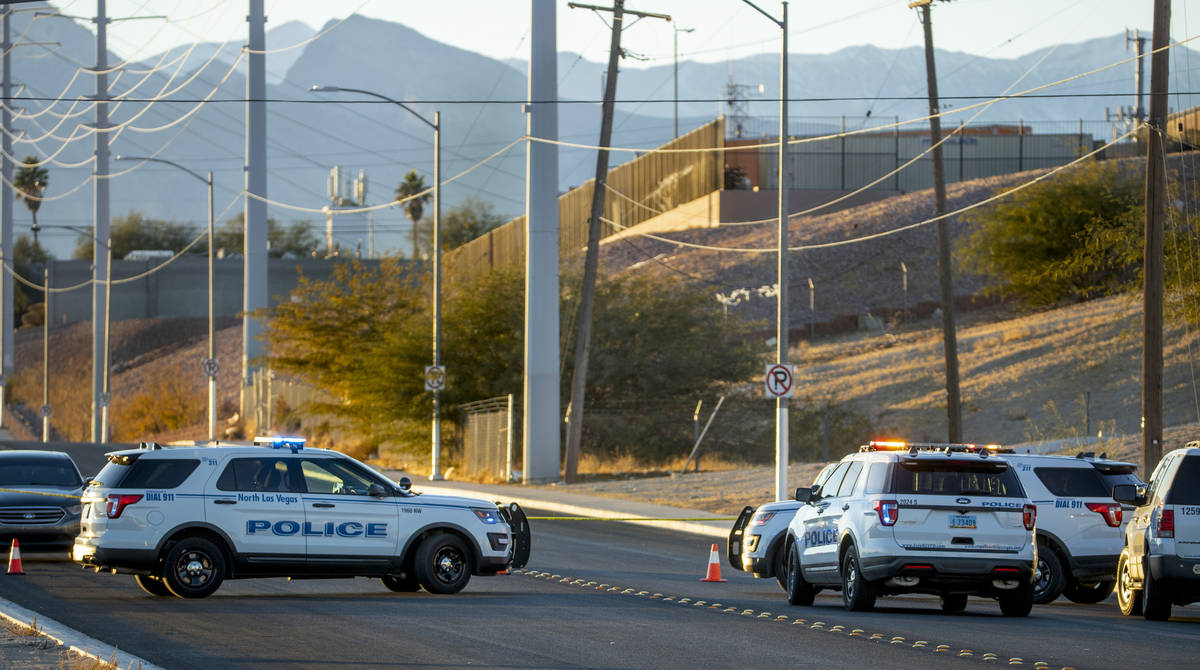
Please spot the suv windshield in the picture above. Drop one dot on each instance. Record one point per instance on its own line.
(1185, 488)
(38, 471)
(951, 477)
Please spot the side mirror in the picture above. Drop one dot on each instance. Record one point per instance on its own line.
(377, 491)
(805, 495)
(1128, 493)
(405, 484)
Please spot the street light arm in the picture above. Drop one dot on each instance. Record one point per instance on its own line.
(148, 159)
(764, 13)
(334, 89)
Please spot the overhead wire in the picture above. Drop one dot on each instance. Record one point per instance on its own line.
(826, 245)
(309, 40)
(888, 175)
(393, 203)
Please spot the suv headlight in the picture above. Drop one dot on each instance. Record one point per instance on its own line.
(77, 508)
(489, 516)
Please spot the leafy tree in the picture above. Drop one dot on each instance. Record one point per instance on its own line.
(26, 253)
(470, 219)
(413, 184)
(363, 337)
(137, 231)
(31, 181)
(1073, 237)
(297, 239)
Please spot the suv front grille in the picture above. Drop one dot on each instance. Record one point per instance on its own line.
(31, 516)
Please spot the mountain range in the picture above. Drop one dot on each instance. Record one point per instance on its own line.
(479, 99)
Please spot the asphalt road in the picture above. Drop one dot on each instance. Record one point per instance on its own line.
(556, 614)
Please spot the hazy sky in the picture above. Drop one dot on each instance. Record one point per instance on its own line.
(723, 29)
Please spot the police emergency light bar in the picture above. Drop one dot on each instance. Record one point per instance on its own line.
(900, 445)
(280, 442)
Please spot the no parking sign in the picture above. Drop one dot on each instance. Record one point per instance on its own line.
(778, 381)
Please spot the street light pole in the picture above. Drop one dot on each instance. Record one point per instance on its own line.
(781, 325)
(677, 31)
(46, 353)
(436, 454)
(210, 363)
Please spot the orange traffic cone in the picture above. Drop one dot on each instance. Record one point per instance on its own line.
(14, 559)
(714, 567)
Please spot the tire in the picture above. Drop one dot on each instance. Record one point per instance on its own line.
(954, 602)
(1129, 599)
(406, 584)
(1089, 594)
(781, 568)
(193, 568)
(858, 595)
(1156, 599)
(443, 564)
(799, 591)
(1050, 579)
(1017, 602)
(152, 585)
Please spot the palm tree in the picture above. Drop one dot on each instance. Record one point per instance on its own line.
(31, 184)
(412, 185)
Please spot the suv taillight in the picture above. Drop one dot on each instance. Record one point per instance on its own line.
(1029, 516)
(117, 503)
(1166, 524)
(1110, 511)
(889, 511)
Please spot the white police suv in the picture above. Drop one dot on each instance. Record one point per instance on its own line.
(755, 543)
(1160, 563)
(183, 519)
(950, 520)
(1079, 526)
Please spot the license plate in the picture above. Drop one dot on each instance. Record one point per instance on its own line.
(962, 521)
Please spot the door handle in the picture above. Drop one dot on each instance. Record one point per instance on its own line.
(224, 501)
(323, 504)
(845, 507)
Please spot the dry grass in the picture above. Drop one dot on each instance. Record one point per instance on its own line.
(28, 633)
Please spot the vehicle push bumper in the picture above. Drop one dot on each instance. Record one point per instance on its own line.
(518, 524)
(733, 547)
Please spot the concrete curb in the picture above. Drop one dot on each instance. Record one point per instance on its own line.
(73, 639)
(710, 529)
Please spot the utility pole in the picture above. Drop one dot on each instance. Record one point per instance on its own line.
(6, 219)
(254, 258)
(592, 256)
(100, 242)
(1156, 216)
(949, 339)
(541, 399)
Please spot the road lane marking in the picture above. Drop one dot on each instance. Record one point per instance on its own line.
(767, 616)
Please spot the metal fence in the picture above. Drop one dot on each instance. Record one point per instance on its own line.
(653, 183)
(488, 438)
(856, 161)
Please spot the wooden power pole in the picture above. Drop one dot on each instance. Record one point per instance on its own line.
(591, 261)
(1156, 204)
(945, 275)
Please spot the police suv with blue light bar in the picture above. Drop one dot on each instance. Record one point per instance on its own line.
(183, 519)
(949, 520)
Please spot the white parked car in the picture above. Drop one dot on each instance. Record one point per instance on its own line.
(1080, 528)
(1160, 563)
(755, 542)
(183, 519)
(949, 520)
